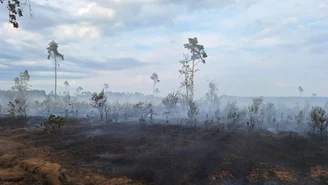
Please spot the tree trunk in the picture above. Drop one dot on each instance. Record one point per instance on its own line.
(55, 77)
(154, 88)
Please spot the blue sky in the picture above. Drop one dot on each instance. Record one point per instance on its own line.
(255, 47)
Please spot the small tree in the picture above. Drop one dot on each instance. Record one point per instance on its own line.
(67, 96)
(171, 101)
(20, 88)
(319, 119)
(192, 112)
(155, 79)
(99, 102)
(53, 123)
(106, 87)
(299, 117)
(212, 97)
(78, 92)
(232, 112)
(185, 72)
(300, 89)
(212, 94)
(254, 110)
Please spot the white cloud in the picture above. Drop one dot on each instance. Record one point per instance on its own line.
(18, 37)
(94, 10)
(323, 6)
(245, 45)
(290, 20)
(3, 66)
(80, 31)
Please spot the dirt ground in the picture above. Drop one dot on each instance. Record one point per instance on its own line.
(96, 154)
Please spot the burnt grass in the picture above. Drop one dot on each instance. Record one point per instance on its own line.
(171, 154)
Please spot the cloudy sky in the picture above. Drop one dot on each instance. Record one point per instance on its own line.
(255, 47)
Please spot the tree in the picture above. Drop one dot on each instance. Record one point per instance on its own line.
(106, 87)
(66, 85)
(79, 90)
(67, 96)
(185, 72)
(232, 111)
(171, 101)
(212, 94)
(254, 110)
(21, 86)
(319, 119)
(300, 89)
(15, 8)
(99, 102)
(155, 79)
(197, 55)
(53, 53)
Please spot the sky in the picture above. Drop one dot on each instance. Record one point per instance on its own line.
(254, 47)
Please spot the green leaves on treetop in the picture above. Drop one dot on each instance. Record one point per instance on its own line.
(196, 50)
(53, 51)
(15, 9)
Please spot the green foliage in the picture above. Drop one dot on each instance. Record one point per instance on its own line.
(99, 102)
(319, 119)
(185, 72)
(53, 123)
(257, 102)
(53, 51)
(171, 101)
(196, 50)
(15, 10)
(233, 113)
(19, 105)
(193, 109)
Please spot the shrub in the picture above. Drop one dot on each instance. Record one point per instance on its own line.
(53, 123)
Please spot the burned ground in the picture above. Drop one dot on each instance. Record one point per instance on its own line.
(128, 153)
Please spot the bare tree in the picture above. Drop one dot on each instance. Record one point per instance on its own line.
(53, 53)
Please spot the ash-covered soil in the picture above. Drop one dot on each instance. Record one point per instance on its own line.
(128, 153)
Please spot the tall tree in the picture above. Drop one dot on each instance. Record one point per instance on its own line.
(197, 55)
(300, 89)
(185, 72)
(15, 8)
(155, 79)
(54, 54)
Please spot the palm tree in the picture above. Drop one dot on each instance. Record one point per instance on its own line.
(155, 79)
(53, 53)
